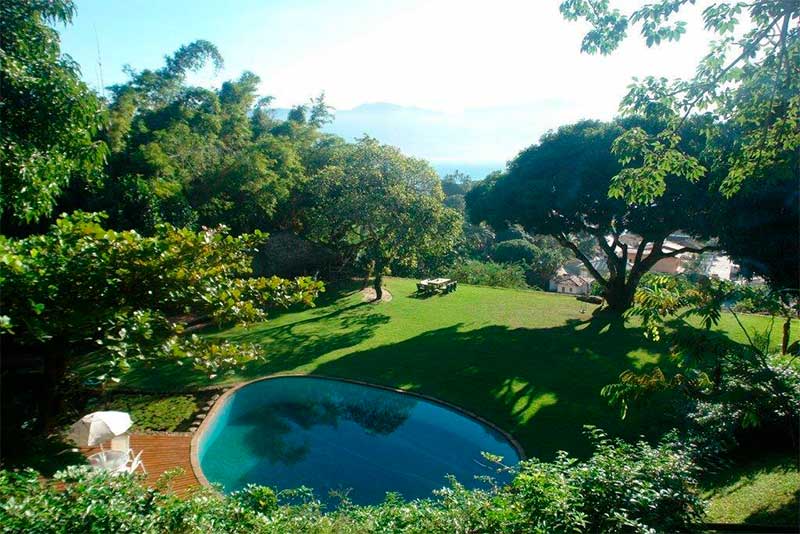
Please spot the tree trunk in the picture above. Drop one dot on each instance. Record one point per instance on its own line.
(368, 275)
(619, 297)
(55, 367)
(787, 329)
(620, 290)
(378, 284)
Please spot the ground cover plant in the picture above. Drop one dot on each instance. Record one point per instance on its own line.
(152, 412)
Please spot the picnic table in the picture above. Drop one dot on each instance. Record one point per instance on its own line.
(431, 285)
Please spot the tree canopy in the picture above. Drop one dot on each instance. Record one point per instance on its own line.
(177, 154)
(559, 187)
(49, 117)
(760, 227)
(748, 79)
(194, 156)
(81, 288)
(377, 206)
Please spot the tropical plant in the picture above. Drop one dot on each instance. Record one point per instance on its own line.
(198, 156)
(81, 288)
(739, 386)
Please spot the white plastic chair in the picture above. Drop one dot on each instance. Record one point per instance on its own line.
(136, 463)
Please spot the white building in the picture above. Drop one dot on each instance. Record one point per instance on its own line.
(570, 284)
(721, 266)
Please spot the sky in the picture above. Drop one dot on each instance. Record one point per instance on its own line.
(455, 57)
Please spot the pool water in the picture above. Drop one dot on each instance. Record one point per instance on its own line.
(335, 436)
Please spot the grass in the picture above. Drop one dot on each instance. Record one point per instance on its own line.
(531, 362)
(760, 491)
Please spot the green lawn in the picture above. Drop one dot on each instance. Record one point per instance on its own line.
(764, 490)
(531, 362)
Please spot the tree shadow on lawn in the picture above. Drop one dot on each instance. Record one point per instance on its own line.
(744, 469)
(542, 385)
(787, 514)
(286, 346)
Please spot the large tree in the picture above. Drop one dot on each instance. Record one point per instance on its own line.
(78, 287)
(749, 79)
(559, 187)
(376, 205)
(194, 157)
(759, 227)
(81, 288)
(48, 116)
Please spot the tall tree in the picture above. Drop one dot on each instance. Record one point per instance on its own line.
(48, 116)
(749, 79)
(381, 207)
(192, 156)
(559, 187)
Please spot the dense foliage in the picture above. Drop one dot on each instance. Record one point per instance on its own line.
(193, 156)
(559, 187)
(49, 116)
(540, 255)
(733, 390)
(378, 207)
(748, 80)
(126, 292)
(127, 284)
(759, 227)
(622, 487)
(488, 273)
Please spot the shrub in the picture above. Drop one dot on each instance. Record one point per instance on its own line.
(258, 498)
(512, 233)
(622, 487)
(489, 274)
(514, 251)
(637, 487)
(754, 404)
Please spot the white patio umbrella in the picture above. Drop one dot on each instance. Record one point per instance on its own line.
(98, 427)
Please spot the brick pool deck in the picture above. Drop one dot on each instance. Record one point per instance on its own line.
(162, 452)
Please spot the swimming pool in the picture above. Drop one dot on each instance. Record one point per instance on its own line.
(333, 435)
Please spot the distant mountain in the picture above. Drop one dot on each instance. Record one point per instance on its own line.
(475, 142)
(477, 171)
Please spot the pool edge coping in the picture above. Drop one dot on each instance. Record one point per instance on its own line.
(194, 458)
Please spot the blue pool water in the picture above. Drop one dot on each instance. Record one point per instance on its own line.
(330, 435)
